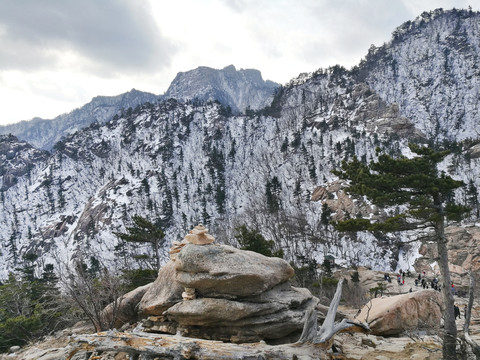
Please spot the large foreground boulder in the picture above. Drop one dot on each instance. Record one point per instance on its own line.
(224, 271)
(238, 296)
(420, 310)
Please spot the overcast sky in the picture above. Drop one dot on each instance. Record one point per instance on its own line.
(56, 55)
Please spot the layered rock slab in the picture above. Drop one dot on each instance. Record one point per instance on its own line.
(420, 310)
(275, 316)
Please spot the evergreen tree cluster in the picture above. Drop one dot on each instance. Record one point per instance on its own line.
(31, 305)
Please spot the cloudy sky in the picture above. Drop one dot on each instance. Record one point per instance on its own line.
(57, 55)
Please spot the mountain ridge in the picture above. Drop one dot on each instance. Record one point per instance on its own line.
(235, 89)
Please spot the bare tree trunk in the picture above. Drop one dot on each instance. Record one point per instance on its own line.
(157, 253)
(475, 347)
(450, 327)
(176, 347)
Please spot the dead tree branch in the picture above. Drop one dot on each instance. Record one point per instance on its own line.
(324, 335)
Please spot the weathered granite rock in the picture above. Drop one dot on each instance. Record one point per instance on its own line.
(224, 271)
(217, 312)
(219, 292)
(159, 324)
(463, 255)
(340, 203)
(420, 310)
(163, 293)
(127, 307)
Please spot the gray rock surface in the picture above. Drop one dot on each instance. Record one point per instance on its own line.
(463, 255)
(237, 296)
(276, 315)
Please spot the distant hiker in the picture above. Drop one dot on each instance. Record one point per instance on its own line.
(456, 310)
(410, 290)
(358, 313)
(416, 282)
(385, 277)
(403, 281)
(454, 291)
(419, 277)
(409, 274)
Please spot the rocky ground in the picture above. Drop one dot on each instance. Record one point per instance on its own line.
(411, 345)
(352, 345)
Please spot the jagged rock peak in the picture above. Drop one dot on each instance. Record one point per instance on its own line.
(238, 89)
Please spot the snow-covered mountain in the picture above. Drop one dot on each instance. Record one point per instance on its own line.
(430, 69)
(184, 162)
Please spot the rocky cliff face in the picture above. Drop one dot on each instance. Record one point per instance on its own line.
(181, 163)
(463, 254)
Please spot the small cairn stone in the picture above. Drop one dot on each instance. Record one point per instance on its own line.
(199, 236)
(189, 294)
(176, 248)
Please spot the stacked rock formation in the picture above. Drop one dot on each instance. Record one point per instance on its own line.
(219, 292)
(198, 236)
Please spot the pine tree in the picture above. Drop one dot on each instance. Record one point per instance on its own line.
(427, 195)
(272, 193)
(472, 197)
(144, 231)
(30, 307)
(254, 241)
